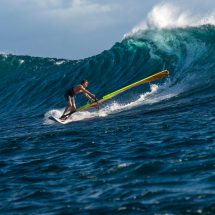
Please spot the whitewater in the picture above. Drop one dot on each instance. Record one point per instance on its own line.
(149, 150)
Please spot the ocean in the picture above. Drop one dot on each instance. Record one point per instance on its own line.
(150, 150)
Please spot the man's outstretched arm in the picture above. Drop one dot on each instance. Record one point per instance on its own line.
(89, 97)
(88, 93)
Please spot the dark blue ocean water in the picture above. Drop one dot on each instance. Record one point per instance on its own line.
(150, 150)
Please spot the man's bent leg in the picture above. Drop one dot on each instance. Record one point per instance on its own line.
(69, 100)
(73, 109)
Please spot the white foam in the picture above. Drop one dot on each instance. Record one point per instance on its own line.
(122, 165)
(5, 55)
(174, 15)
(60, 62)
(21, 62)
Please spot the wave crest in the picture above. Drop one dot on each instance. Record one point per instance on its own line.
(169, 15)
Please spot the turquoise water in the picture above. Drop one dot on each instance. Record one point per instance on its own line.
(149, 150)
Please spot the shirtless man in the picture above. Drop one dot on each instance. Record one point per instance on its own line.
(69, 95)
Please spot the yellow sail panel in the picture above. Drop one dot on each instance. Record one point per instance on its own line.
(145, 80)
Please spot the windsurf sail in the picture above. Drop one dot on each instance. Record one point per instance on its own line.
(111, 95)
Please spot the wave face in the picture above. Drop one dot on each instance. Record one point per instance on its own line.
(187, 53)
(159, 138)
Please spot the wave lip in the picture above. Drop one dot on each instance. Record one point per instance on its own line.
(169, 15)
